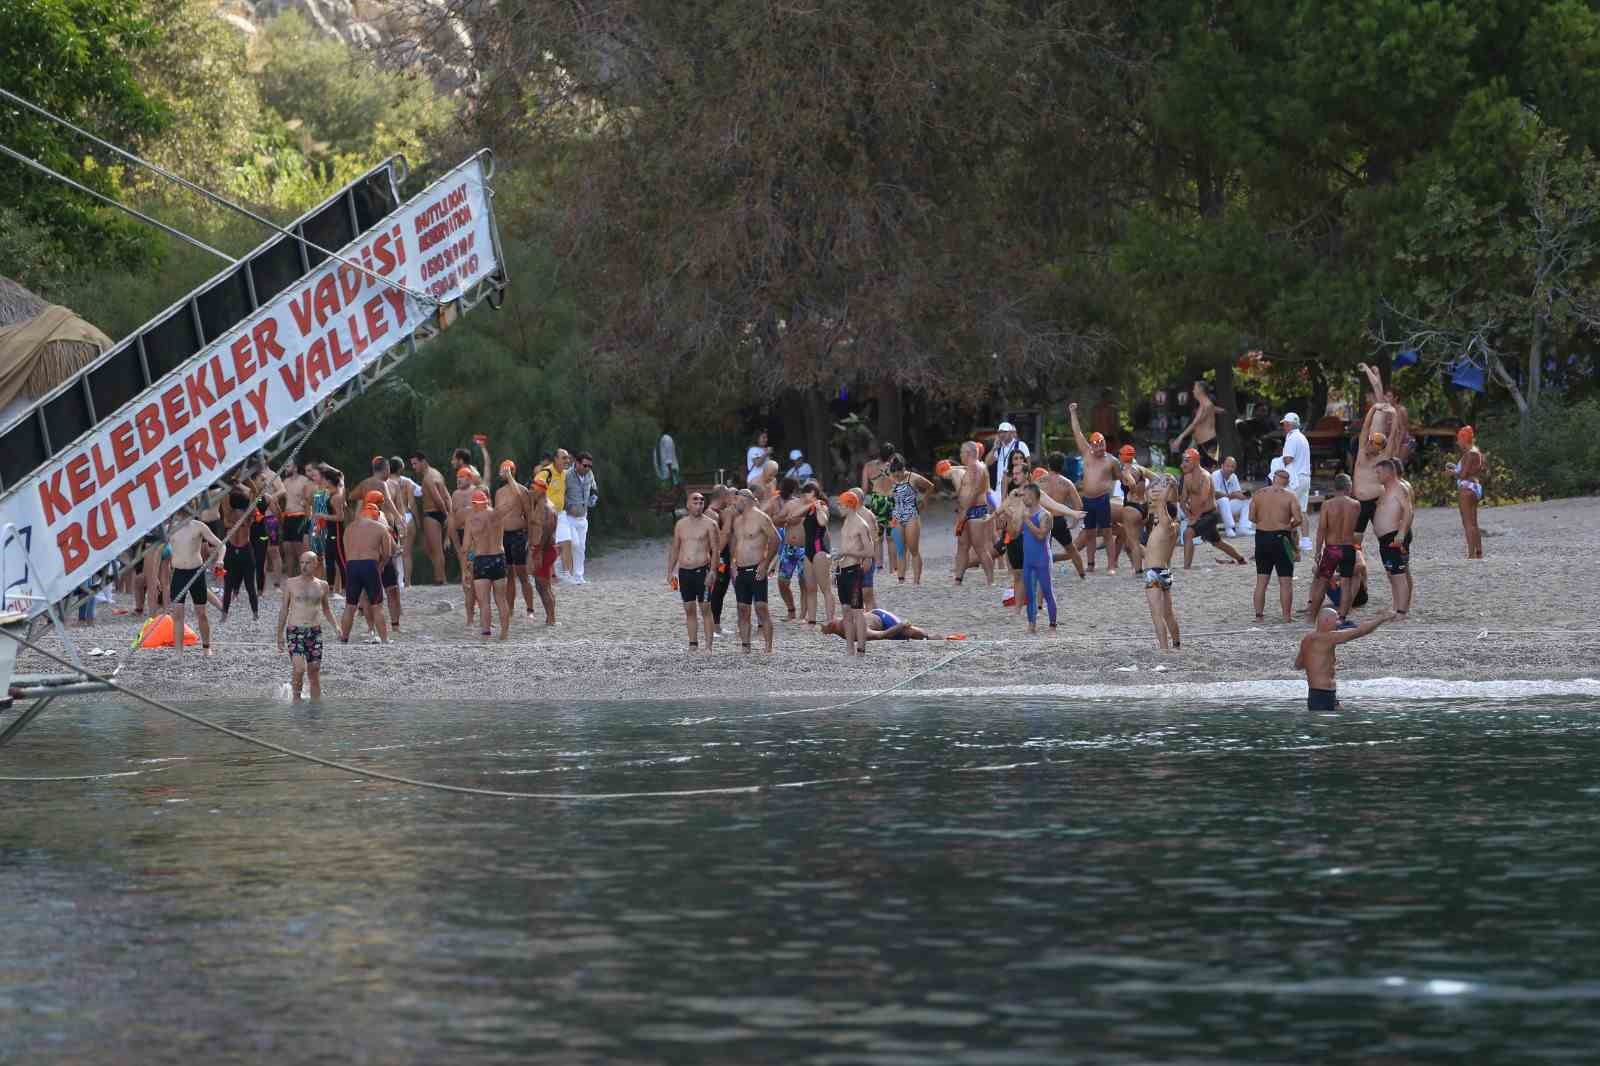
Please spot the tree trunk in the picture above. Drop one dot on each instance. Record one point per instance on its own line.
(818, 431)
(1524, 409)
(891, 420)
(1227, 400)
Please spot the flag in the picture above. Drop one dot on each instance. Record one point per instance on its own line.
(1405, 358)
(1467, 376)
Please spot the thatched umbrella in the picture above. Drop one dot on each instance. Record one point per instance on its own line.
(41, 345)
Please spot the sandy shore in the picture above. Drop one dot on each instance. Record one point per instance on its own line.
(1522, 613)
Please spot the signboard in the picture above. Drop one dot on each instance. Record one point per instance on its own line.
(210, 414)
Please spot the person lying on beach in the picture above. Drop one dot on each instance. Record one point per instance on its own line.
(1317, 660)
(886, 625)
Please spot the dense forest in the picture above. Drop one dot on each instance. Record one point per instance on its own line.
(899, 220)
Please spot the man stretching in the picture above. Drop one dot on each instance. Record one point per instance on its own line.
(1374, 445)
(305, 603)
(689, 562)
(483, 532)
(1058, 487)
(1316, 656)
(754, 547)
(1158, 561)
(1275, 513)
(975, 524)
(1200, 505)
(1099, 471)
(542, 548)
(1392, 522)
(1335, 547)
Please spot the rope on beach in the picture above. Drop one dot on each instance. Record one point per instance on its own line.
(378, 775)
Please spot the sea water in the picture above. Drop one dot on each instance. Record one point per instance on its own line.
(965, 877)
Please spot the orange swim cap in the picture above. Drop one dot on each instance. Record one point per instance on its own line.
(850, 498)
(1039, 473)
(370, 510)
(1465, 434)
(942, 467)
(1126, 454)
(374, 497)
(480, 499)
(1377, 440)
(1097, 437)
(507, 464)
(1191, 453)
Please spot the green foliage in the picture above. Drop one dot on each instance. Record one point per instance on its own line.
(1561, 455)
(74, 57)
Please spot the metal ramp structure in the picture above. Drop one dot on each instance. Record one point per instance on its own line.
(242, 367)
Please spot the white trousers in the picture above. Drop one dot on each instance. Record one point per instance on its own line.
(1235, 513)
(578, 528)
(1302, 489)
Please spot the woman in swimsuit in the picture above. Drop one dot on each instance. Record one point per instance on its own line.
(905, 522)
(819, 559)
(876, 485)
(327, 507)
(1469, 489)
(1008, 526)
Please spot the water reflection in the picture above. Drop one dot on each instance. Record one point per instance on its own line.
(925, 879)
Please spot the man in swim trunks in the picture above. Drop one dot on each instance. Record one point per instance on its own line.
(542, 552)
(781, 506)
(1158, 561)
(294, 504)
(1374, 445)
(856, 549)
(975, 518)
(435, 513)
(1316, 656)
(513, 503)
(368, 547)
(1099, 471)
(1199, 505)
(1058, 487)
(754, 547)
(689, 563)
(305, 604)
(405, 495)
(1275, 513)
(1203, 427)
(1392, 522)
(483, 532)
(1336, 545)
(1469, 488)
(194, 549)
(885, 625)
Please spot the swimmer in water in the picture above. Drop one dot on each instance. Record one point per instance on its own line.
(1316, 656)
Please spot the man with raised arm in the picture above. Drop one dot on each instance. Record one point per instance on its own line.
(1275, 513)
(1059, 488)
(483, 532)
(542, 548)
(975, 518)
(1372, 445)
(305, 604)
(1199, 504)
(1392, 523)
(514, 504)
(754, 547)
(1316, 656)
(1336, 546)
(689, 563)
(1099, 472)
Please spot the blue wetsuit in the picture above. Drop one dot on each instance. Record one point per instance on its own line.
(1036, 566)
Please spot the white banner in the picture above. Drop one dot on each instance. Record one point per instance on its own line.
(136, 469)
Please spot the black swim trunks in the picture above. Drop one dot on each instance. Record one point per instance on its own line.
(692, 583)
(362, 578)
(516, 545)
(849, 585)
(1368, 509)
(181, 586)
(1272, 553)
(292, 529)
(747, 588)
(437, 516)
(489, 567)
(391, 574)
(1322, 699)
(1396, 557)
(1208, 527)
(1061, 531)
(1210, 453)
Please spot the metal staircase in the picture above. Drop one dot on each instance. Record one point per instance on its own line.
(244, 365)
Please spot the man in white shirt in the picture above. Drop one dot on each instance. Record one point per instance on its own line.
(999, 456)
(1231, 502)
(1297, 460)
(756, 456)
(799, 469)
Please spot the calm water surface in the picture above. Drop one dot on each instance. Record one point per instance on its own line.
(919, 880)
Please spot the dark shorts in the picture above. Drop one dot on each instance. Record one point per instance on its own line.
(391, 574)
(1272, 553)
(975, 513)
(817, 544)
(1368, 509)
(692, 584)
(544, 560)
(747, 588)
(1061, 530)
(362, 579)
(1210, 453)
(437, 516)
(1097, 512)
(1322, 699)
(1013, 552)
(849, 585)
(292, 529)
(1396, 557)
(516, 545)
(1337, 557)
(196, 591)
(306, 642)
(489, 567)
(1208, 527)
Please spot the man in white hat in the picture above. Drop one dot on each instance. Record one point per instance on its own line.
(799, 469)
(1297, 460)
(999, 457)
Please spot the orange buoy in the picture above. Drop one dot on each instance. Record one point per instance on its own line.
(157, 633)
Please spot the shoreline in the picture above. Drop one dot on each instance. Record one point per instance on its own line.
(1516, 616)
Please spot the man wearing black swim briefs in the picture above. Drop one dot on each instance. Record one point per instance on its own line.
(435, 513)
(694, 546)
(1392, 522)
